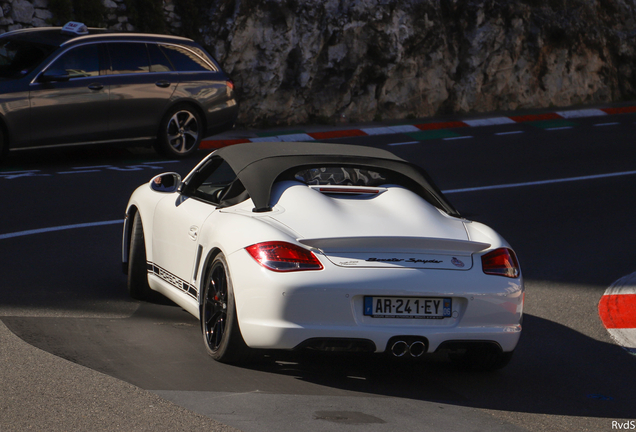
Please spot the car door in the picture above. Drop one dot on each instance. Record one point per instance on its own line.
(178, 222)
(73, 108)
(141, 83)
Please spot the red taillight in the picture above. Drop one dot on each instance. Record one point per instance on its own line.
(501, 262)
(283, 257)
(230, 84)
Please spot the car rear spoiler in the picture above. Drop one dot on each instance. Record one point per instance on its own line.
(386, 244)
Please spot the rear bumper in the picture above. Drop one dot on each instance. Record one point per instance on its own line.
(284, 310)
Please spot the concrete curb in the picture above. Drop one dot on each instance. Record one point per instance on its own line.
(232, 137)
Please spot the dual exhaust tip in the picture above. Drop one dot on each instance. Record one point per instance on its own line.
(401, 348)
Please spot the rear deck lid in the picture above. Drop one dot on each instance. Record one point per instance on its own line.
(398, 252)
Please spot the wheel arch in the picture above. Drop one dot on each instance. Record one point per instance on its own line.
(127, 236)
(205, 267)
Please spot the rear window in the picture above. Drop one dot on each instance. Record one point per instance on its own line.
(18, 58)
(187, 59)
(348, 176)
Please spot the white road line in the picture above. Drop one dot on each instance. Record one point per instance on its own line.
(161, 162)
(58, 228)
(450, 191)
(509, 133)
(607, 124)
(559, 128)
(542, 182)
(78, 171)
(10, 175)
(456, 138)
(404, 143)
(90, 167)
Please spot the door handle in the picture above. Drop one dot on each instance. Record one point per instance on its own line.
(163, 83)
(96, 86)
(193, 232)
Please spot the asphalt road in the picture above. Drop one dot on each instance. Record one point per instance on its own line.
(63, 291)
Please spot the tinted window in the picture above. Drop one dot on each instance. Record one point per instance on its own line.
(79, 62)
(186, 60)
(158, 61)
(128, 58)
(18, 58)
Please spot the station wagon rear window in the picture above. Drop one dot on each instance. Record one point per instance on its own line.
(186, 60)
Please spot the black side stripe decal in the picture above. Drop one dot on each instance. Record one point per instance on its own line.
(173, 280)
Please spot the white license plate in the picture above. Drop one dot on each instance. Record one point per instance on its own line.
(408, 307)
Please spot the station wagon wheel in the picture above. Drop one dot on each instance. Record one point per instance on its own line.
(219, 323)
(180, 132)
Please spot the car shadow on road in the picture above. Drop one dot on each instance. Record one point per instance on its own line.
(555, 370)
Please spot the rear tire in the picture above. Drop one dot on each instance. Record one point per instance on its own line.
(221, 333)
(138, 287)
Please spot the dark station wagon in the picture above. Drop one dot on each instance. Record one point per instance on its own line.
(77, 86)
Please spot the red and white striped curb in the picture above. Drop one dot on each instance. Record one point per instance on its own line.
(389, 130)
(617, 310)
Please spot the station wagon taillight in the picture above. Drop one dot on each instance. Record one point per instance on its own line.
(501, 262)
(284, 257)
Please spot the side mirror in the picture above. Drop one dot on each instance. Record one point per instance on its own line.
(167, 182)
(53, 75)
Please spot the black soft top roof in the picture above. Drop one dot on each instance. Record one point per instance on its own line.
(259, 165)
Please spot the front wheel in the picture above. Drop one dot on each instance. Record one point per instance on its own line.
(219, 323)
(138, 287)
(180, 132)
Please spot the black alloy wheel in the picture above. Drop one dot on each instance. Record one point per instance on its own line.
(219, 323)
(215, 308)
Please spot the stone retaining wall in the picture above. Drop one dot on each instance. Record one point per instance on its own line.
(297, 61)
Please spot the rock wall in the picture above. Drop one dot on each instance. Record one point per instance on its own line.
(297, 61)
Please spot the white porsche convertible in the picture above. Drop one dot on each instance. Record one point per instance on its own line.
(326, 247)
